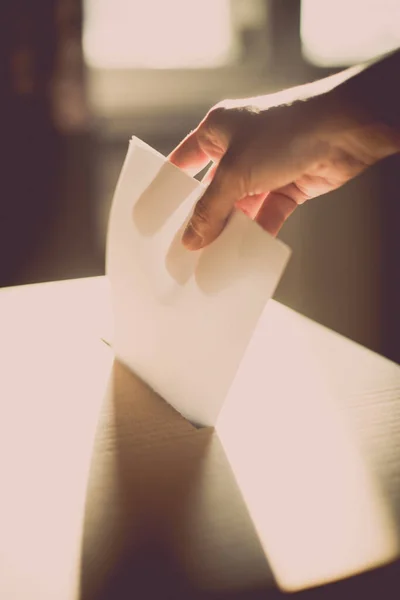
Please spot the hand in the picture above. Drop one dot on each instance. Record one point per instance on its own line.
(268, 161)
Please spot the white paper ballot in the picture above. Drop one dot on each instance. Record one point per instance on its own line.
(183, 319)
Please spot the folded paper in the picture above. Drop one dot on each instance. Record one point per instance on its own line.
(183, 319)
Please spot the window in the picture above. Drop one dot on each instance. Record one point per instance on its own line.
(153, 56)
(167, 34)
(344, 32)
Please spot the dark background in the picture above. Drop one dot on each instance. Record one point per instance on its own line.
(64, 133)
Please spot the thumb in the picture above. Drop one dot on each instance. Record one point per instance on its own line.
(214, 207)
(238, 177)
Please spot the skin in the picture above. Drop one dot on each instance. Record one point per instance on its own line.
(272, 153)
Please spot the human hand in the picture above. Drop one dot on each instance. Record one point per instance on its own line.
(268, 161)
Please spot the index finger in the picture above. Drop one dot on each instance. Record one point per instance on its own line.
(188, 155)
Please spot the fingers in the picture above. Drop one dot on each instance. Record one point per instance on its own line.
(208, 141)
(248, 167)
(277, 207)
(188, 155)
(251, 204)
(213, 209)
(230, 188)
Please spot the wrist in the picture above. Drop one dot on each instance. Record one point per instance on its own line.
(342, 117)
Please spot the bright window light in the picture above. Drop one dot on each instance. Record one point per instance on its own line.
(344, 32)
(158, 34)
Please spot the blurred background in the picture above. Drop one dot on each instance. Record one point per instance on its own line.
(79, 77)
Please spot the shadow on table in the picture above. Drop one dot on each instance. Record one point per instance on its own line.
(164, 517)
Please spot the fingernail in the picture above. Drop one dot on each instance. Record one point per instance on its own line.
(191, 239)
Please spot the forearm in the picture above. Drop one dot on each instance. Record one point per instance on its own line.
(375, 91)
(364, 94)
(366, 107)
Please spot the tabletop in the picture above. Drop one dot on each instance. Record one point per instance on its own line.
(91, 459)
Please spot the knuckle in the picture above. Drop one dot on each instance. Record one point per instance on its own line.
(214, 133)
(227, 121)
(215, 117)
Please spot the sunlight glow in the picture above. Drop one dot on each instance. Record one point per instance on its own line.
(157, 34)
(319, 512)
(54, 377)
(343, 33)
